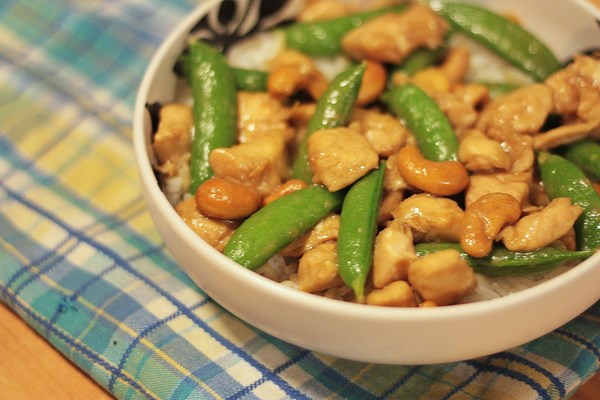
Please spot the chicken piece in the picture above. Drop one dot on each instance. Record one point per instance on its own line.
(340, 156)
(385, 132)
(324, 231)
(396, 294)
(543, 227)
(393, 252)
(261, 114)
(575, 89)
(323, 10)
(520, 150)
(216, 232)
(430, 218)
(522, 111)
(480, 153)
(461, 104)
(460, 114)
(172, 142)
(392, 179)
(389, 202)
(260, 163)
(515, 185)
(443, 277)
(391, 37)
(318, 269)
(565, 134)
(292, 71)
(473, 94)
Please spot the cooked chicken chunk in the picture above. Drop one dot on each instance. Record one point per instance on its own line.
(523, 111)
(396, 294)
(340, 156)
(216, 232)
(515, 185)
(543, 227)
(393, 180)
(442, 277)
(325, 231)
(480, 153)
(431, 218)
(575, 89)
(260, 163)
(291, 72)
(385, 132)
(391, 37)
(172, 141)
(322, 10)
(565, 134)
(460, 104)
(393, 253)
(318, 269)
(261, 114)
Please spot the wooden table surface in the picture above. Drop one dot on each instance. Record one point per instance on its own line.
(30, 368)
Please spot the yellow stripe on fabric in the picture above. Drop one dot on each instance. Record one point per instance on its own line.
(14, 251)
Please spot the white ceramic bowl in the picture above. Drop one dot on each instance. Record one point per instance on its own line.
(360, 332)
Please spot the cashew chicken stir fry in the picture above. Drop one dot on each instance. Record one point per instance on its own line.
(486, 195)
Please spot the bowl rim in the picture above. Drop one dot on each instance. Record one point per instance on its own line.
(302, 299)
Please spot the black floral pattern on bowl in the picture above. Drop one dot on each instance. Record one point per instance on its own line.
(232, 20)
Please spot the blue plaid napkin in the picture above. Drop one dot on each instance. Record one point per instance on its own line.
(81, 262)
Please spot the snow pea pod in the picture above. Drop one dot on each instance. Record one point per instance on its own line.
(277, 224)
(323, 38)
(358, 226)
(435, 136)
(501, 261)
(250, 80)
(214, 106)
(586, 155)
(562, 178)
(333, 110)
(420, 59)
(502, 36)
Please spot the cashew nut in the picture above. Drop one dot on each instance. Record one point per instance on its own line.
(220, 198)
(373, 83)
(286, 188)
(441, 178)
(484, 219)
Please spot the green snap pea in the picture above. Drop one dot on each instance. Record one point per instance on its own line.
(502, 36)
(586, 155)
(562, 178)
(435, 136)
(214, 106)
(420, 59)
(504, 262)
(323, 38)
(498, 88)
(333, 110)
(250, 80)
(358, 226)
(274, 226)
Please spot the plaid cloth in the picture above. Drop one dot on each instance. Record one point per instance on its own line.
(81, 262)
